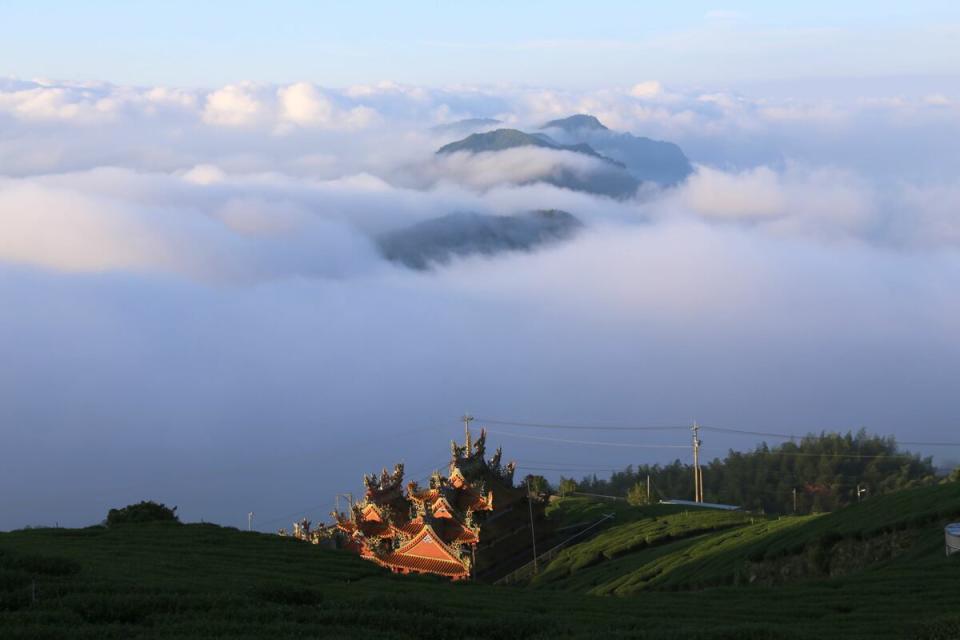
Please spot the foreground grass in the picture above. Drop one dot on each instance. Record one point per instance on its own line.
(202, 581)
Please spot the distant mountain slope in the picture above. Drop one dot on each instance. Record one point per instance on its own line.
(437, 241)
(646, 159)
(609, 179)
(580, 121)
(501, 139)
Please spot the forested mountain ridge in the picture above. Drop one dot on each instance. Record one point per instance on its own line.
(649, 160)
(825, 470)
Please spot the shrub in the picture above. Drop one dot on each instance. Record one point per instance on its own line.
(637, 494)
(146, 511)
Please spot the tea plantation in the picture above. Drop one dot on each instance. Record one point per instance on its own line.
(671, 574)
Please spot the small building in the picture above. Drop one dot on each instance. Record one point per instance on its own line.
(703, 505)
(951, 534)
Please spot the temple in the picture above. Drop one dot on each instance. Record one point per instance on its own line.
(437, 529)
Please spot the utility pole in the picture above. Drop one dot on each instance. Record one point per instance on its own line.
(250, 521)
(533, 534)
(648, 489)
(794, 500)
(697, 473)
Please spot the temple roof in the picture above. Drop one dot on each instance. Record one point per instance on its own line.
(426, 552)
(449, 568)
(470, 500)
(434, 529)
(452, 532)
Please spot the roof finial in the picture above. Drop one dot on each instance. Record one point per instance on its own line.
(467, 419)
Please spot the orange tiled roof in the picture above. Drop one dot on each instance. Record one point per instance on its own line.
(411, 528)
(449, 568)
(455, 533)
(425, 495)
(381, 529)
(349, 526)
(470, 500)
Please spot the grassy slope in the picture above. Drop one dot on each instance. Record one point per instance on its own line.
(578, 510)
(166, 581)
(669, 551)
(646, 527)
(675, 555)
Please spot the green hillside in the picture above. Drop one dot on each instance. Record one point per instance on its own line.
(890, 535)
(617, 548)
(203, 581)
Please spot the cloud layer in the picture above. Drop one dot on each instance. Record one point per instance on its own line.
(195, 309)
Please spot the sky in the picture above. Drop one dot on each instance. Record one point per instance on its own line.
(194, 308)
(555, 43)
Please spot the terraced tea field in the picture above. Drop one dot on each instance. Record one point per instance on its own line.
(204, 581)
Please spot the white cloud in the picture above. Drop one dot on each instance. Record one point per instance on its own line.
(193, 273)
(824, 202)
(751, 194)
(303, 104)
(513, 166)
(204, 174)
(234, 106)
(647, 89)
(937, 99)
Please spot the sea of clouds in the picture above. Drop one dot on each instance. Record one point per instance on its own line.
(194, 308)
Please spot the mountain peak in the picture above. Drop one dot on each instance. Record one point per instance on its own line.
(440, 240)
(501, 139)
(576, 122)
(497, 140)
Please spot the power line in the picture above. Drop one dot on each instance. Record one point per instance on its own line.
(813, 435)
(527, 468)
(677, 446)
(565, 465)
(753, 433)
(543, 425)
(589, 442)
(769, 434)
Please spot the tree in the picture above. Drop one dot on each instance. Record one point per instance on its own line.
(146, 511)
(538, 484)
(955, 476)
(824, 468)
(637, 495)
(567, 485)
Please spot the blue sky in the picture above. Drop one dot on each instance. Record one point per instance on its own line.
(557, 43)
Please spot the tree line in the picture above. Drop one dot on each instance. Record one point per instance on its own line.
(813, 474)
